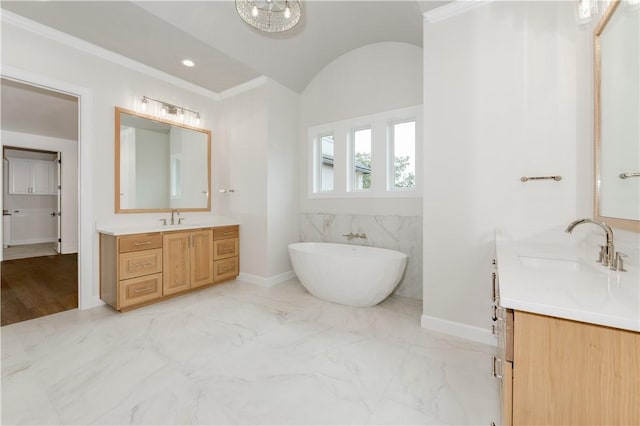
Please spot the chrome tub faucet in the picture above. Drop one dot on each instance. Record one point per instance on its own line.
(350, 236)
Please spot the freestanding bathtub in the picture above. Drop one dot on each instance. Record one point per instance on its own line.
(347, 274)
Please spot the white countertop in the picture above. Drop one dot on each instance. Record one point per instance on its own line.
(143, 229)
(565, 281)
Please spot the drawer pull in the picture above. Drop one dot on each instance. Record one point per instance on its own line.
(494, 371)
(227, 233)
(141, 290)
(146, 243)
(227, 269)
(139, 265)
(228, 250)
(494, 279)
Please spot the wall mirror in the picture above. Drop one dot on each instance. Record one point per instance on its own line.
(160, 165)
(617, 108)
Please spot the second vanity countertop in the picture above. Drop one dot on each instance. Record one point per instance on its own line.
(144, 229)
(565, 281)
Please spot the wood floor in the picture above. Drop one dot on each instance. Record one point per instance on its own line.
(38, 286)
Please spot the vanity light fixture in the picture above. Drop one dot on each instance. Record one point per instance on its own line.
(271, 16)
(585, 10)
(165, 109)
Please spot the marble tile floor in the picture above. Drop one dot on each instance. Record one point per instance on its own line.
(241, 354)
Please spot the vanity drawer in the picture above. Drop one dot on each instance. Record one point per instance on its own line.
(140, 242)
(223, 249)
(139, 290)
(225, 232)
(139, 263)
(225, 269)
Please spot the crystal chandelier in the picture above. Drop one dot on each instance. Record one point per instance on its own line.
(272, 16)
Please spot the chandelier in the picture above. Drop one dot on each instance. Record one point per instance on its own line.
(272, 16)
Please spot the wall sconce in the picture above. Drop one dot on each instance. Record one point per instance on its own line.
(170, 111)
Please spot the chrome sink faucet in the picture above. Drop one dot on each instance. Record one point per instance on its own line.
(173, 222)
(608, 256)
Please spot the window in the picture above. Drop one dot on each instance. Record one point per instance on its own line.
(403, 154)
(373, 156)
(361, 160)
(326, 163)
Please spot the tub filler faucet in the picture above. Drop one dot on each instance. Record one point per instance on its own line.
(350, 236)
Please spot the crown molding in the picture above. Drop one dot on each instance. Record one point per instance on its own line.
(243, 87)
(450, 10)
(34, 27)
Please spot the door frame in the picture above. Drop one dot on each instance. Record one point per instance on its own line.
(87, 241)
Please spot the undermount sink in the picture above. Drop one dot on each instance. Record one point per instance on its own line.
(567, 265)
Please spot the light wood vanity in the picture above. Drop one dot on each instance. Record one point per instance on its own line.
(557, 371)
(144, 268)
(568, 373)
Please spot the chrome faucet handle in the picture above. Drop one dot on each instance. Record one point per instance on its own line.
(602, 255)
(618, 263)
(164, 222)
(180, 219)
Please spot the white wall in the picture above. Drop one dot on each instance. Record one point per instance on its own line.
(69, 193)
(372, 79)
(260, 127)
(244, 121)
(283, 114)
(505, 88)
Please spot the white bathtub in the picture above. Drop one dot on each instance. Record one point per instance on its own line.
(347, 274)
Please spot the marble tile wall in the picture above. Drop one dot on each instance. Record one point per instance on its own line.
(401, 233)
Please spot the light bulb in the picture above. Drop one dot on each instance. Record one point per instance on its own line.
(143, 106)
(254, 11)
(198, 120)
(181, 115)
(163, 111)
(287, 12)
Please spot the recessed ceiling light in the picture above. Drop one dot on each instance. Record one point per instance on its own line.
(188, 62)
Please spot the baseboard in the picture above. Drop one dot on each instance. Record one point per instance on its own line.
(69, 249)
(459, 329)
(266, 282)
(95, 302)
(32, 241)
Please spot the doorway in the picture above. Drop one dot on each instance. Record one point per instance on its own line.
(39, 273)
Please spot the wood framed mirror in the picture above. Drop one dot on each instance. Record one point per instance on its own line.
(617, 108)
(160, 165)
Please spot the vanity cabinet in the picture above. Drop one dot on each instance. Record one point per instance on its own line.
(130, 269)
(556, 371)
(225, 253)
(188, 260)
(138, 269)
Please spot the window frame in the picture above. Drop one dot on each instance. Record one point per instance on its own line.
(382, 163)
(391, 154)
(351, 158)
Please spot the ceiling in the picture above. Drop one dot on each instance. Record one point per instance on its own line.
(228, 52)
(30, 109)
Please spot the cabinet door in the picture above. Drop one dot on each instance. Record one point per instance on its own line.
(176, 263)
(19, 176)
(43, 178)
(201, 258)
